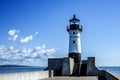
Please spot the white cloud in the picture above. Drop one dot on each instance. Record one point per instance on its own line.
(11, 48)
(26, 39)
(13, 35)
(2, 49)
(26, 55)
(43, 46)
(13, 32)
(36, 33)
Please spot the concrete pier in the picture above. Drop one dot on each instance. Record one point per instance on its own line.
(35, 75)
(73, 78)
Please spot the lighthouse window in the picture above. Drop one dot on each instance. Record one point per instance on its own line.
(73, 32)
(73, 42)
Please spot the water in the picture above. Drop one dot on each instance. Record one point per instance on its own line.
(19, 69)
(115, 69)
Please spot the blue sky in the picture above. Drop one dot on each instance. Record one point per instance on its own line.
(33, 30)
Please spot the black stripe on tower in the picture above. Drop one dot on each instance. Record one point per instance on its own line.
(76, 57)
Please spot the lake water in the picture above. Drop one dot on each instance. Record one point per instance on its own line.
(20, 69)
(115, 69)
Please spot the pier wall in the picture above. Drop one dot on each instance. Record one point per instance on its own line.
(61, 66)
(67, 66)
(26, 75)
(110, 76)
(92, 70)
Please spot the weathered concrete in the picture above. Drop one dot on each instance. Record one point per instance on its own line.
(25, 75)
(73, 78)
(92, 70)
(111, 76)
(56, 65)
(61, 66)
(71, 63)
(67, 66)
(76, 70)
(83, 70)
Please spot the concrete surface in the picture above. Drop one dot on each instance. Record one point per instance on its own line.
(110, 76)
(92, 70)
(25, 75)
(73, 78)
(65, 67)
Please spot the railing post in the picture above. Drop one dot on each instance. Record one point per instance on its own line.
(50, 73)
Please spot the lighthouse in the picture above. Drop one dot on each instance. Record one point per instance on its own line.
(74, 29)
(73, 65)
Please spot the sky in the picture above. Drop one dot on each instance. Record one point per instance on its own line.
(31, 31)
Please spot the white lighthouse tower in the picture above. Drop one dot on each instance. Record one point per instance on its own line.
(74, 31)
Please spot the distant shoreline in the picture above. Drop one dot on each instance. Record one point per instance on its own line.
(3, 66)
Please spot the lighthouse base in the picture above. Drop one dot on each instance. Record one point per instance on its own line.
(76, 57)
(67, 67)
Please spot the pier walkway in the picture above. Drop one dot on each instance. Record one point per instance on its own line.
(73, 78)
